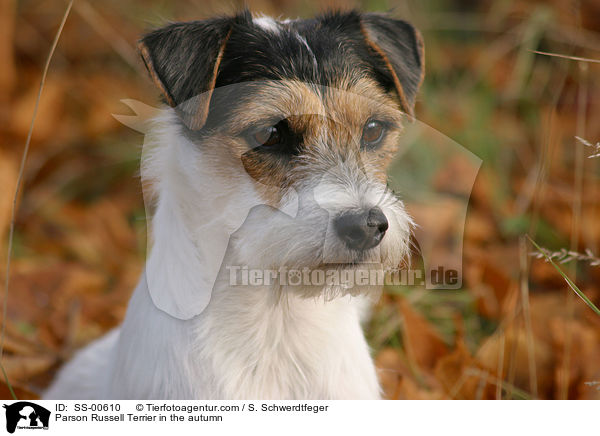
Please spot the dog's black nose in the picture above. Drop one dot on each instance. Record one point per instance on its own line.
(361, 230)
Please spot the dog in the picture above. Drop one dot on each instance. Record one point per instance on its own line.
(270, 158)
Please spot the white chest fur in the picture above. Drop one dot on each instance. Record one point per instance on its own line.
(245, 345)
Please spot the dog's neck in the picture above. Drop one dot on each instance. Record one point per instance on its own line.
(264, 345)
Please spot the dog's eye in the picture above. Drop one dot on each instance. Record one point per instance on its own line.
(372, 134)
(266, 137)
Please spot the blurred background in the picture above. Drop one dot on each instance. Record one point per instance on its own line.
(514, 331)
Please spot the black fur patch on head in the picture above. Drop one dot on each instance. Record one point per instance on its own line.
(304, 50)
(188, 59)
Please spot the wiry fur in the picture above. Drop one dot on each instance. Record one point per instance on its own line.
(188, 332)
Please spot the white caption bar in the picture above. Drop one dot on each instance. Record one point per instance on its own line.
(300, 417)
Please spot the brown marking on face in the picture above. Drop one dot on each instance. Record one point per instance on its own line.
(326, 121)
(364, 101)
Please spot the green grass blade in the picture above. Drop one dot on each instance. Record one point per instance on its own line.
(572, 285)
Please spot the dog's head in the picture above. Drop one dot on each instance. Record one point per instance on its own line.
(302, 116)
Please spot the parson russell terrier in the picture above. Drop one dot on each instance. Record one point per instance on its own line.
(271, 156)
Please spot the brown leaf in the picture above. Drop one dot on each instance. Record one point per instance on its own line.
(422, 342)
(579, 368)
(18, 347)
(8, 15)
(50, 110)
(390, 368)
(453, 373)
(410, 390)
(480, 227)
(8, 179)
(490, 285)
(514, 349)
(25, 367)
(455, 176)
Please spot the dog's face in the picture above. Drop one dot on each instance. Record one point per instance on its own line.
(306, 112)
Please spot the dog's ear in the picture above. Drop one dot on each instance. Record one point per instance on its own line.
(392, 48)
(397, 51)
(183, 60)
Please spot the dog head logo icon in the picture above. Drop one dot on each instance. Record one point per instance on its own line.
(26, 415)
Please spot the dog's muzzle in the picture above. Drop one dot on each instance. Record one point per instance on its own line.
(361, 230)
